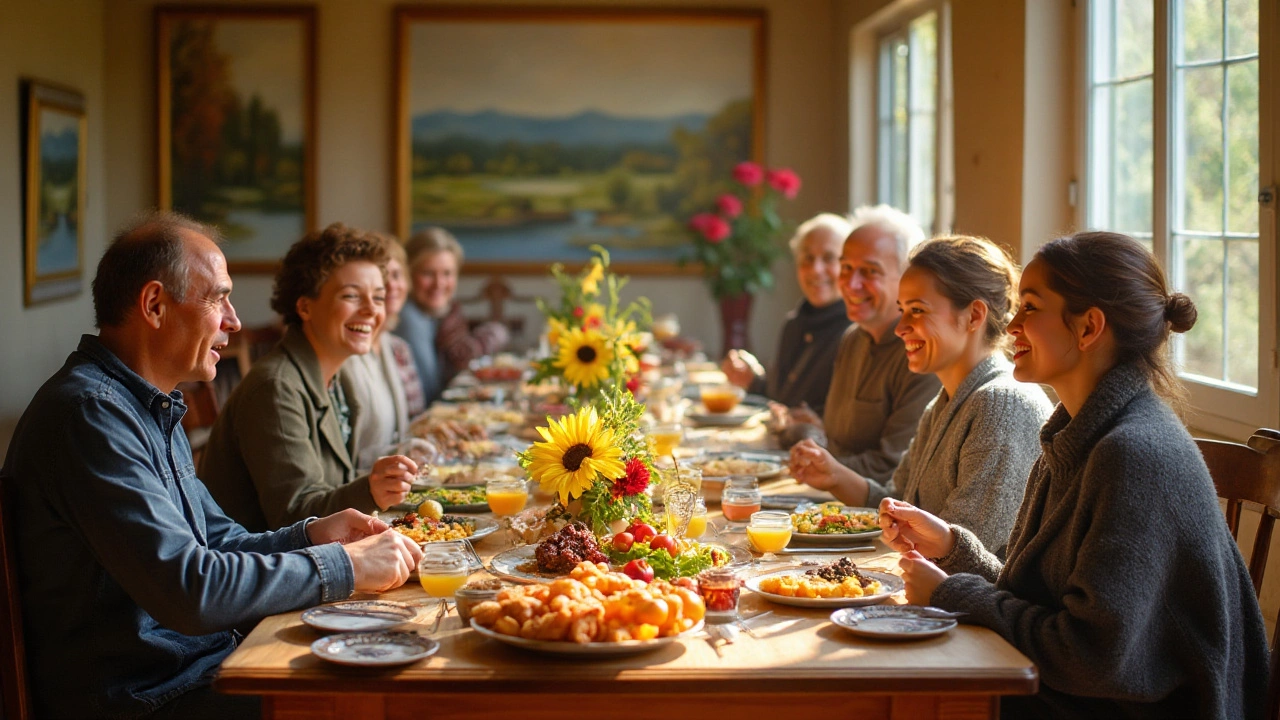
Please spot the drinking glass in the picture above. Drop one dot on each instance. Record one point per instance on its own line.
(666, 438)
(740, 498)
(680, 486)
(507, 496)
(698, 522)
(769, 531)
(443, 569)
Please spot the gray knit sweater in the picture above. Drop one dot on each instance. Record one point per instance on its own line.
(969, 461)
(1123, 584)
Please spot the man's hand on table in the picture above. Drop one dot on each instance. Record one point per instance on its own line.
(344, 526)
(391, 479)
(383, 561)
(907, 528)
(921, 577)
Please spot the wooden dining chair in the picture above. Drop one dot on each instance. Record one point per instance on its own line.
(15, 695)
(1251, 474)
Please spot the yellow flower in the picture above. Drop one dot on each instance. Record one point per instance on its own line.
(584, 356)
(578, 449)
(591, 282)
(593, 316)
(555, 330)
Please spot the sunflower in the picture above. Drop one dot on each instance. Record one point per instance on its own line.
(585, 356)
(591, 281)
(578, 449)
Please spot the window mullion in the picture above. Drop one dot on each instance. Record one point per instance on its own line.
(1161, 91)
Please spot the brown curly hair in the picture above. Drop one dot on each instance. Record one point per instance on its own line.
(310, 261)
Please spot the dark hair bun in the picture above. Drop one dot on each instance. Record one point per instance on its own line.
(1180, 311)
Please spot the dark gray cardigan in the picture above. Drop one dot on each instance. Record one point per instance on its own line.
(1122, 583)
(806, 356)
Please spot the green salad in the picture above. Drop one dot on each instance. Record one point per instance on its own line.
(474, 495)
(688, 563)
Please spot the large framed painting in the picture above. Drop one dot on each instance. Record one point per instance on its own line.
(54, 191)
(534, 133)
(237, 124)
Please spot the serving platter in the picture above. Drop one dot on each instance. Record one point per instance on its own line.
(359, 616)
(506, 564)
(894, 622)
(409, 505)
(890, 584)
(592, 649)
(374, 649)
(483, 526)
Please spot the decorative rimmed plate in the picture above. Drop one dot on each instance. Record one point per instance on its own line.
(359, 616)
(839, 539)
(735, 417)
(507, 564)
(894, 622)
(628, 647)
(483, 526)
(890, 584)
(374, 649)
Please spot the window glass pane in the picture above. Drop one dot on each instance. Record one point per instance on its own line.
(1100, 156)
(1242, 27)
(1201, 266)
(1133, 153)
(1201, 30)
(1200, 151)
(923, 57)
(1102, 64)
(901, 116)
(1242, 312)
(1135, 37)
(1242, 147)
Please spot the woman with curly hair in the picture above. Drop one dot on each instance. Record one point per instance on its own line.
(281, 450)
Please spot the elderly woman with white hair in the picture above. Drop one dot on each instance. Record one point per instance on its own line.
(811, 335)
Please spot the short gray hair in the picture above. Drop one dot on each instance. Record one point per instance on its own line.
(432, 240)
(837, 224)
(905, 231)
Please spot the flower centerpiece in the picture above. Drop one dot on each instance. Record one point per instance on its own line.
(596, 462)
(738, 243)
(593, 338)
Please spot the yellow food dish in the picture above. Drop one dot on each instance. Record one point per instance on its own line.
(807, 586)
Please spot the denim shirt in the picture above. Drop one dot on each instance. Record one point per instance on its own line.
(133, 580)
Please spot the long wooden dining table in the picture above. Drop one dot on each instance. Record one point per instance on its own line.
(795, 663)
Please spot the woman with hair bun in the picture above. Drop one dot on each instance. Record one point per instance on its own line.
(1122, 582)
(977, 438)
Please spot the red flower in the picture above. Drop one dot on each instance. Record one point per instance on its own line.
(635, 481)
(578, 312)
(713, 227)
(748, 173)
(633, 383)
(730, 206)
(785, 181)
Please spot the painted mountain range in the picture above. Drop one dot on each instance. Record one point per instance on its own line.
(585, 128)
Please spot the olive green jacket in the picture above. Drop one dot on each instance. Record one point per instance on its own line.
(276, 453)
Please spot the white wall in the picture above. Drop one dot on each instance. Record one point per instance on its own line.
(354, 118)
(58, 41)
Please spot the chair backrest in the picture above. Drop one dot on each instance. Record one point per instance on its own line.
(1251, 474)
(14, 693)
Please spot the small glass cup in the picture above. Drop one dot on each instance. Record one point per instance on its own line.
(769, 532)
(740, 499)
(443, 569)
(680, 486)
(506, 496)
(666, 438)
(723, 398)
(720, 588)
(698, 522)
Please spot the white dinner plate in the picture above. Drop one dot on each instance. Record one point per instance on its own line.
(626, 647)
(359, 616)
(374, 649)
(893, 622)
(890, 584)
(838, 539)
(735, 417)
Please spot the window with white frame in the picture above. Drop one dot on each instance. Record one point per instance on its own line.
(1174, 120)
(910, 116)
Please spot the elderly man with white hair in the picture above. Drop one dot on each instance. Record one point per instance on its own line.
(811, 335)
(874, 402)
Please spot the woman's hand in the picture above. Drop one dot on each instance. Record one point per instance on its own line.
(922, 577)
(907, 528)
(391, 479)
(812, 465)
(740, 368)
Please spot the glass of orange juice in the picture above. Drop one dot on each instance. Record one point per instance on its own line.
(698, 521)
(769, 532)
(443, 569)
(666, 438)
(506, 496)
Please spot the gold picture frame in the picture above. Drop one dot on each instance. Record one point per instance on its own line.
(236, 89)
(532, 133)
(56, 127)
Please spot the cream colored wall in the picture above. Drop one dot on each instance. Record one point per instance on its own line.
(59, 41)
(354, 120)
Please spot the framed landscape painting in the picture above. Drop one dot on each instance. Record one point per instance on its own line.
(54, 191)
(237, 124)
(534, 133)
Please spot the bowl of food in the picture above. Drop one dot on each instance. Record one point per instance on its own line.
(722, 398)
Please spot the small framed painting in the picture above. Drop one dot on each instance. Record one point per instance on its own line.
(55, 125)
(237, 124)
(534, 133)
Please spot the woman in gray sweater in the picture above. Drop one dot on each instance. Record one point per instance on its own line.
(978, 437)
(1122, 581)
